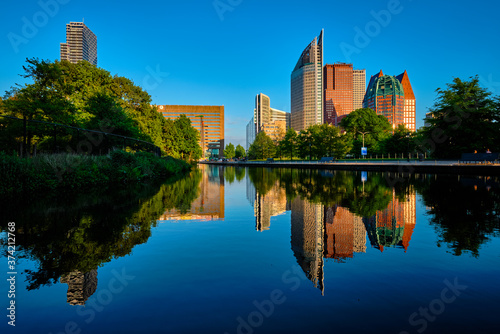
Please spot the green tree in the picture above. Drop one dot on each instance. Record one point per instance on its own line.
(464, 118)
(89, 97)
(305, 143)
(229, 151)
(288, 145)
(188, 139)
(376, 129)
(170, 139)
(262, 148)
(401, 141)
(240, 151)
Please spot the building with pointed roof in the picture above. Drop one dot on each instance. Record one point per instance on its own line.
(307, 86)
(385, 95)
(409, 105)
(393, 97)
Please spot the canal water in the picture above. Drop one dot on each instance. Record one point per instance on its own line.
(258, 250)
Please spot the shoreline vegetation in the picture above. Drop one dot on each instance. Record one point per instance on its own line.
(66, 171)
(82, 108)
(399, 166)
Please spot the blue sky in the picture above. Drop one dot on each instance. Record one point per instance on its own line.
(224, 52)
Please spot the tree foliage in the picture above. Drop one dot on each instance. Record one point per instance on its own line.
(240, 151)
(263, 147)
(187, 139)
(229, 151)
(289, 143)
(376, 129)
(85, 96)
(464, 119)
(401, 141)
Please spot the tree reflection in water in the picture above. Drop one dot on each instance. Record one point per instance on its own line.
(71, 236)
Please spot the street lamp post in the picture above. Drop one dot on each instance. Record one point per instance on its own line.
(363, 133)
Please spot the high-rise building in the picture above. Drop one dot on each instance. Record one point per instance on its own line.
(81, 44)
(409, 107)
(208, 120)
(338, 92)
(307, 86)
(385, 92)
(359, 88)
(272, 121)
(385, 95)
(262, 110)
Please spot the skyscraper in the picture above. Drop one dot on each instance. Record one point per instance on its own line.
(338, 92)
(307, 86)
(402, 102)
(359, 88)
(409, 107)
(81, 44)
(262, 110)
(385, 95)
(272, 121)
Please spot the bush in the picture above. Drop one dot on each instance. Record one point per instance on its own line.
(71, 171)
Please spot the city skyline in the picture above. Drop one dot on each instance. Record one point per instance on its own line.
(213, 71)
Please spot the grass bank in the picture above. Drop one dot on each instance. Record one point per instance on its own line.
(71, 171)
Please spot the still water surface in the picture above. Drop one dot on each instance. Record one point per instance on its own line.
(253, 250)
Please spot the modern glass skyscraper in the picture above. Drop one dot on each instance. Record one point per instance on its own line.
(81, 44)
(307, 86)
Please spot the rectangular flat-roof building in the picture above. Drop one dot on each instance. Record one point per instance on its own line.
(81, 44)
(208, 120)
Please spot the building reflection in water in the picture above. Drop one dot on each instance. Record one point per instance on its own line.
(393, 227)
(210, 203)
(345, 233)
(307, 239)
(80, 286)
(271, 204)
(321, 232)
